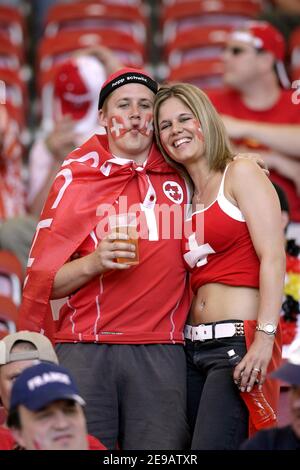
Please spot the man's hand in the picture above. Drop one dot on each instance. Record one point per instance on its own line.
(62, 140)
(256, 157)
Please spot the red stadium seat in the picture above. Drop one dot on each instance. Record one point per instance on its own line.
(202, 42)
(11, 277)
(11, 55)
(130, 19)
(185, 15)
(206, 74)
(8, 316)
(12, 23)
(52, 49)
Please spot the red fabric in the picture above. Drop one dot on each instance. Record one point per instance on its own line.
(267, 37)
(7, 441)
(234, 262)
(271, 387)
(121, 307)
(95, 444)
(228, 102)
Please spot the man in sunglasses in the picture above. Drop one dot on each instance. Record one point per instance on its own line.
(258, 107)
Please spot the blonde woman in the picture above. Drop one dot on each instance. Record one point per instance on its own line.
(237, 265)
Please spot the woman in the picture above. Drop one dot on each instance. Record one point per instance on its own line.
(236, 262)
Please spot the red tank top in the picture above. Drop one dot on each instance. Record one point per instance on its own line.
(217, 246)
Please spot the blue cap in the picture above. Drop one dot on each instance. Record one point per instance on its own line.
(42, 384)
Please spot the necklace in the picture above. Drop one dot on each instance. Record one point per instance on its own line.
(197, 196)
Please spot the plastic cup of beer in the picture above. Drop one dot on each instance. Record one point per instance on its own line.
(127, 224)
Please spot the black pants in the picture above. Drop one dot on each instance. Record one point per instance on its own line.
(135, 394)
(216, 413)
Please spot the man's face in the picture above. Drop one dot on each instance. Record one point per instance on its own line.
(128, 118)
(8, 374)
(59, 426)
(241, 64)
(295, 409)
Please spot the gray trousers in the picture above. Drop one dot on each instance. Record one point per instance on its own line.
(135, 394)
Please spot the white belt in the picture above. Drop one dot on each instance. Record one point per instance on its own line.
(213, 330)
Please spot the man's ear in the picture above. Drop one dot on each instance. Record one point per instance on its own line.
(102, 118)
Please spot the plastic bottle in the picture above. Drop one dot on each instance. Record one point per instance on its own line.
(261, 413)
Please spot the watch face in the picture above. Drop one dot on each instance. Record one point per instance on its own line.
(269, 328)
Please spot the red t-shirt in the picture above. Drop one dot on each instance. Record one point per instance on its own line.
(147, 303)
(218, 247)
(228, 102)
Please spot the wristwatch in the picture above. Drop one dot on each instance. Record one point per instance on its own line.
(268, 328)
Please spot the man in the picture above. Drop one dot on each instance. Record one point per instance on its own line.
(288, 437)
(258, 113)
(120, 329)
(19, 351)
(46, 410)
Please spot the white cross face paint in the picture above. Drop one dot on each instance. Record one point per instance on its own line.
(117, 127)
(147, 128)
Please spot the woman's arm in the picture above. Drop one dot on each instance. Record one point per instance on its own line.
(258, 201)
(78, 272)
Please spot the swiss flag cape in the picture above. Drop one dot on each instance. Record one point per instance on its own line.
(69, 215)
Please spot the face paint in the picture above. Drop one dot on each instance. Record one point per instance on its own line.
(117, 127)
(147, 127)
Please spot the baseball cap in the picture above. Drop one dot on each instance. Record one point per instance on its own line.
(44, 349)
(124, 77)
(290, 371)
(262, 35)
(76, 88)
(42, 384)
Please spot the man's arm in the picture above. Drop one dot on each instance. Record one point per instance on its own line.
(283, 138)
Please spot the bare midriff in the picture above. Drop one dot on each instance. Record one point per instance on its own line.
(217, 302)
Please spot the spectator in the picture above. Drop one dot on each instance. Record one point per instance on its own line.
(288, 437)
(257, 112)
(234, 253)
(46, 410)
(19, 351)
(129, 319)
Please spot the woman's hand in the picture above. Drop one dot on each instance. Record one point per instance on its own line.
(253, 367)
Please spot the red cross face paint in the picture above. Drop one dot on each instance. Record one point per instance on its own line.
(147, 127)
(117, 127)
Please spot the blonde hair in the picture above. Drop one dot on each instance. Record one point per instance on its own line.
(217, 149)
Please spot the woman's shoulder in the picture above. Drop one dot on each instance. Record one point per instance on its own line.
(243, 167)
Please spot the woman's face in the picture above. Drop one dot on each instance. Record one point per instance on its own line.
(180, 132)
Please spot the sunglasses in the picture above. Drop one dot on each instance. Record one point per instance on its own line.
(237, 50)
